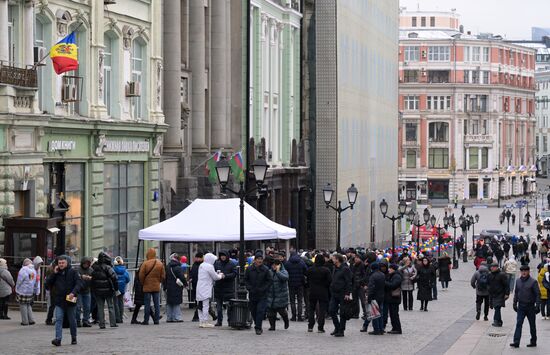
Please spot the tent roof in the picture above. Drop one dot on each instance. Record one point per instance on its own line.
(216, 220)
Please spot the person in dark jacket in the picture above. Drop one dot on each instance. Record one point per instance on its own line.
(123, 278)
(224, 289)
(444, 265)
(296, 268)
(194, 278)
(84, 299)
(340, 289)
(358, 272)
(392, 297)
(173, 285)
(526, 304)
(258, 279)
(425, 277)
(499, 291)
(104, 283)
(318, 278)
(277, 295)
(67, 284)
(480, 282)
(376, 292)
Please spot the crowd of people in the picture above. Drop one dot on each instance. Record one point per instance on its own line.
(314, 286)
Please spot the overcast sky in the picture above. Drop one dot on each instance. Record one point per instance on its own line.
(495, 16)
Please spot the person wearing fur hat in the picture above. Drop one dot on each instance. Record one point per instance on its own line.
(207, 277)
(123, 278)
(104, 285)
(26, 287)
(174, 284)
(6, 286)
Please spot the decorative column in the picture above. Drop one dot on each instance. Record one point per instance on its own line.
(219, 76)
(28, 32)
(4, 46)
(197, 61)
(96, 95)
(172, 75)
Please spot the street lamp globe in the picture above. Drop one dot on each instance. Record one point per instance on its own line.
(412, 215)
(352, 195)
(384, 207)
(433, 220)
(328, 191)
(259, 167)
(426, 215)
(471, 219)
(445, 221)
(477, 218)
(402, 208)
(223, 169)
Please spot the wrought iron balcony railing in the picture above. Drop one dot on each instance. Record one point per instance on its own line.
(13, 75)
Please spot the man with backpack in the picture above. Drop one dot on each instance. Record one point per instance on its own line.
(480, 282)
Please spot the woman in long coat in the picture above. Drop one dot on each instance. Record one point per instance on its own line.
(426, 279)
(277, 295)
(174, 284)
(408, 271)
(444, 267)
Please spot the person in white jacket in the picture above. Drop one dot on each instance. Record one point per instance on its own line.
(511, 269)
(207, 277)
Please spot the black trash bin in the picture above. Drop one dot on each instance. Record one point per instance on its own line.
(238, 314)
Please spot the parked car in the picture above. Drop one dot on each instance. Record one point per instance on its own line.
(544, 219)
(491, 234)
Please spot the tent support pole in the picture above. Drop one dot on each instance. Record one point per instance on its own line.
(287, 246)
(137, 253)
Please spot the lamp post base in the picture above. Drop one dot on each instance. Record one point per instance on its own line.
(455, 263)
(465, 256)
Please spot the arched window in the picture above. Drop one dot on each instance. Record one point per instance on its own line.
(138, 76)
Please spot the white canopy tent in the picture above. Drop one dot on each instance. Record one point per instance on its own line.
(216, 221)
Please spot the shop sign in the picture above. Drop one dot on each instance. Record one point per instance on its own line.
(126, 146)
(54, 146)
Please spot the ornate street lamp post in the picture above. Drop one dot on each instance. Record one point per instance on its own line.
(415, 220)
(401, 209)
(328, 192)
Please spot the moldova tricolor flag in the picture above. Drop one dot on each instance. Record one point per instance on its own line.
(64, 54)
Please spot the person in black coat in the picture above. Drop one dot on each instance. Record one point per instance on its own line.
(258, 279)
(444, 265)
(194, 278)
(104, 284)
(340, 289)
(358, 272)
(376, 292)
(426, 277)
(224, 289)
(67, 284)
(392, 297)
(318, 278)
(173, 285)
(499, 291)
(296, 269)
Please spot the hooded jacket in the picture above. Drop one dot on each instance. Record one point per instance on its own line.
(86, 284)
(123, 277)
(474, 281)
(511, 265)
(498, 288)
(36, 263)
(257, 280)
(26, 281)
(152, 273)
(319, 279)
(296, 268)
(207, 276)
(225, 287)
(341, 284)
(104, 280)
(65, 282)
(377, 284)
(6, 281)
(540, 278)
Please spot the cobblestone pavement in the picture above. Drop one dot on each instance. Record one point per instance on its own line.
(448, 328)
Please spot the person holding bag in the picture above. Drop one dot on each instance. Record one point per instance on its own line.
(151, 275)
(6, 288)
(392, 297)
(67, 283)
(26, 287)
(173, 286)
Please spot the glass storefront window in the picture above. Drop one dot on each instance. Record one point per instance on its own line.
(124, 205)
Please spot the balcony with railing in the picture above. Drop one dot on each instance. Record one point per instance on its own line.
(13, 75)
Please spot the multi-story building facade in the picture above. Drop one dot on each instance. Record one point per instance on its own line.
(205, 55)
(80, 151)
(350, 98)
(543, 121)
(467, 112)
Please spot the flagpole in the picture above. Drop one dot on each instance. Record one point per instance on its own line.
(204, 161)
(48, 54)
